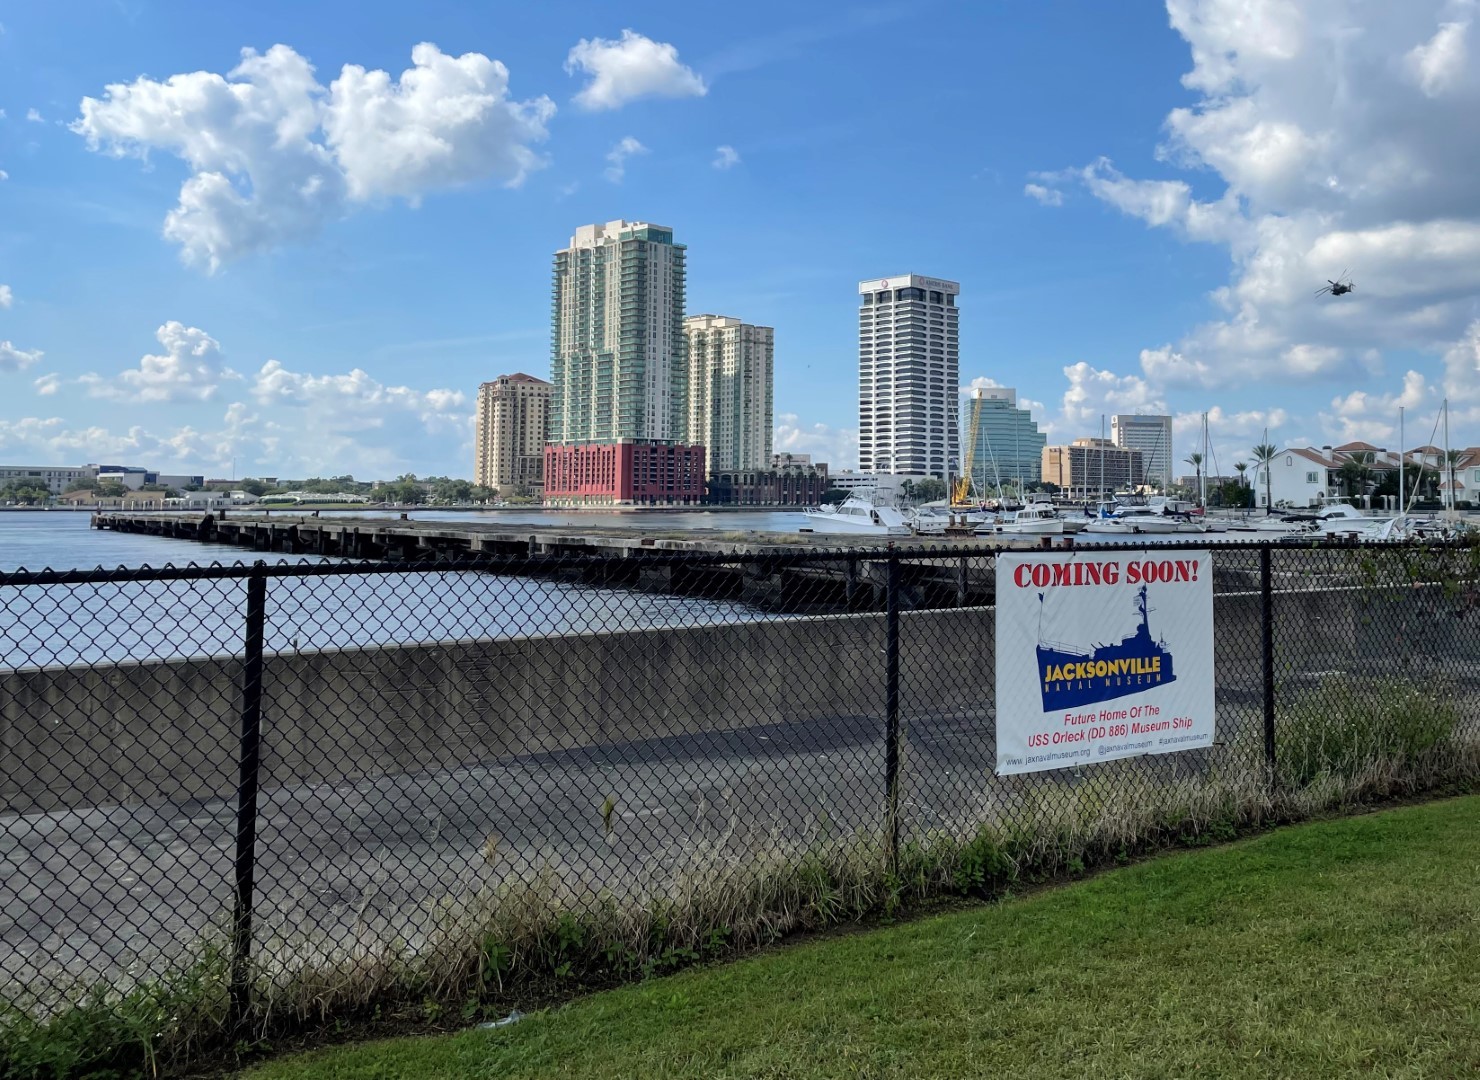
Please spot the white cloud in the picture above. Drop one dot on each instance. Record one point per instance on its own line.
(48, 385)
(448, 121)
(1439, 63)
(726, 157)
(274, 155)
(35, 117)
(1230, 435)
(14, 359)
(6, 297)
(357, 400)
(618, 156)
(837, 447)
(4, 175)
(1373, 418)
(1334, 138)
(1094, 393)
(981, 382)
(358, 425)
(1045, 196)
(630, 68)
(189, 369)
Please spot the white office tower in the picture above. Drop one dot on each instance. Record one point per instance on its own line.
(730, 391)
(909, 372)
(1152, 435)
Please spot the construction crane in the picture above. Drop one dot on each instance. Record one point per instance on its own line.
(961, 497)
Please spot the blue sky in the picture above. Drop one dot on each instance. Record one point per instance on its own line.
(225, 262)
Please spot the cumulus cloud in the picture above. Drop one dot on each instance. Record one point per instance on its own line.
(6, 297)
(630, 68)
(1231, 434)
(448, 121)
(274, 155)
(189, 369)
(1373, 417)
(16, 359)
(1045, 196)
(1093, 393)
(4, 175)
(838, 447)
(359, 425)
(35, 117)
(1440, 62)
(1335, 143)
(48, 385)
(726, 157)
(357, 400)
(617, 158)
(981, 382)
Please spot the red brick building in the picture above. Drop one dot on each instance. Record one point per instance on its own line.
(624, 474)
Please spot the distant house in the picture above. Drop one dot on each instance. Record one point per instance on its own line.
(1307, 476)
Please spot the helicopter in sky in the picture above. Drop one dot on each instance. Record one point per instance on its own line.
(1340, 287)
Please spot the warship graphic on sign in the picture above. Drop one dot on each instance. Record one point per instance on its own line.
(1070, 676)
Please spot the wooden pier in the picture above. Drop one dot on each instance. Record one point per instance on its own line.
(856, 583)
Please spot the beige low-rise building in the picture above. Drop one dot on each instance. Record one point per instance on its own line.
(1086, 468)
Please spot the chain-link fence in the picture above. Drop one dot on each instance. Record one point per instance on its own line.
(332, 771)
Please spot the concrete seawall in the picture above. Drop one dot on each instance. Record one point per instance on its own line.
(167, 730)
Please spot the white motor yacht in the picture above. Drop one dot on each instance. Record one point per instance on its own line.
(1036, 519)
(858, 514)
(1343, 519)
(1147, 520)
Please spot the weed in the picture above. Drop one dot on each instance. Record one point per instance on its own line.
(1344, 728)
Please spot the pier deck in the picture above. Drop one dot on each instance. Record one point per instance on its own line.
(856, 584)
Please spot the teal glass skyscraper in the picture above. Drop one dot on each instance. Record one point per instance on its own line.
(1008, 447)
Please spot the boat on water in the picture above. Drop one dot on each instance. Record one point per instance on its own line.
(1337, 519)
(1072, 676)
(1035, 519)
(926, 521)
(1139, 519)
(857, 514)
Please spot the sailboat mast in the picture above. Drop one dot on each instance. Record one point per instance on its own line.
(1018, 456)
(1448, 465)
(1402, 460)
(1202, 495)
(1102, 457)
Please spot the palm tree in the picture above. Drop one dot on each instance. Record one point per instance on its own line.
(1195, 460)
(1354, 474)
(1264, 455)
(1451, 459)
(1241, 467)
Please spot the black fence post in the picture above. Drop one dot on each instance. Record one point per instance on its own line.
(248, 761)
(891, 706)
(1266, 631)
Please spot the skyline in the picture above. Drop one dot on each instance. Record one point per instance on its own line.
(347, 255)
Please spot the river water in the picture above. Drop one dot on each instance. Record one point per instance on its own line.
(151, 620)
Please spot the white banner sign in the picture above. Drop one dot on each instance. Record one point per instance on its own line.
(1102, 656)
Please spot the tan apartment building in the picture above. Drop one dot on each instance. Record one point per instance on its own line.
(730, 391)
(1087, 467)
(513, 425)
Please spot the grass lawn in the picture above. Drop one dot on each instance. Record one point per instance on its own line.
(1344, 946)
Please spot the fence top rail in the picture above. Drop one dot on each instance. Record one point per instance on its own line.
(516, 564)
